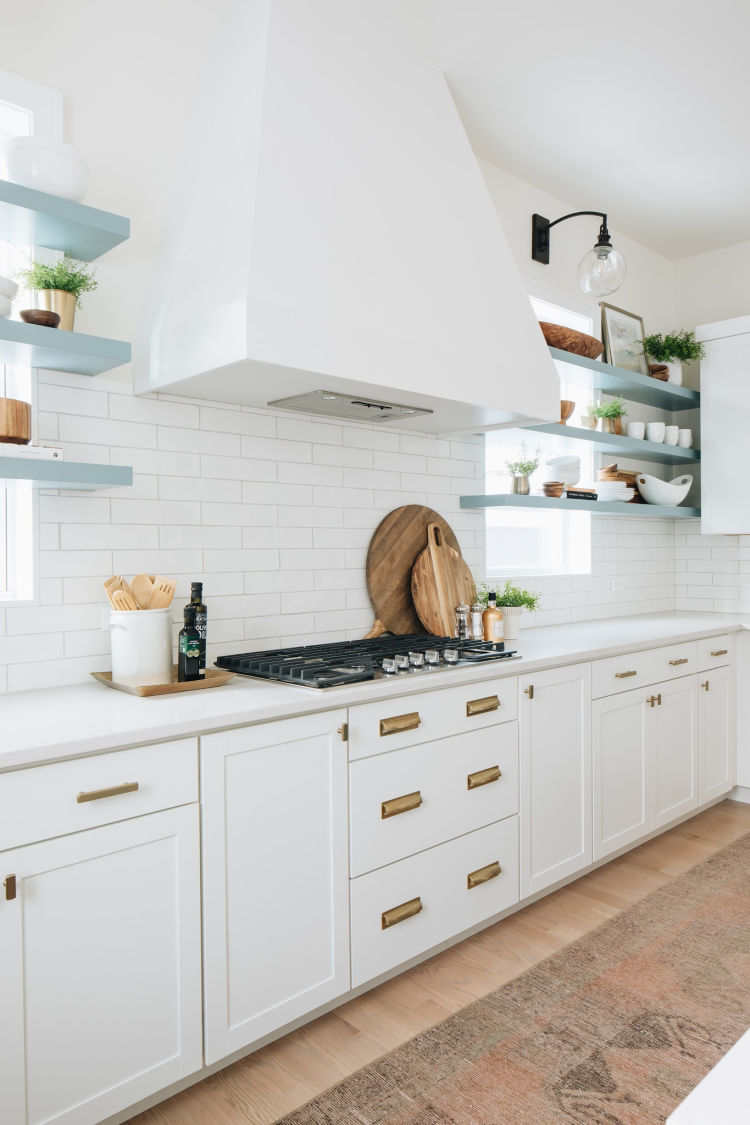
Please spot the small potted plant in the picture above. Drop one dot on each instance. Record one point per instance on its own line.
(610, 415)
(674, 349)
(522, 469)
(511, 601)
(58, 286)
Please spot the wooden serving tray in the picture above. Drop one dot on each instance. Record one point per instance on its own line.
(215, 677)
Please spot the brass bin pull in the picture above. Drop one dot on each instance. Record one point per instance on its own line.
(481, 706)
(114, 791)
(397, 805)
(682, 660)
(399, 723)
(400, 913)
(9, 882)
(483, 777)
(483, 875)
(720, 652)
(624, 675)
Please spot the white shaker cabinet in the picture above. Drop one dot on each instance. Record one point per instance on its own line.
(275, 876)
(674, 747)
(716, 725)
(99, 968)
(725, 398)
(555, 775)
(622, 786)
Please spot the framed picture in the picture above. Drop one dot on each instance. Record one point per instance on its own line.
(622, 333)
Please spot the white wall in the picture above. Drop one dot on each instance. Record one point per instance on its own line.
(713, 286)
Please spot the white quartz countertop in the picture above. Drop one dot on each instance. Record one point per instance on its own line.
(47, 725)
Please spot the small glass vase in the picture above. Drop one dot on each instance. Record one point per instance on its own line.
(521, 486)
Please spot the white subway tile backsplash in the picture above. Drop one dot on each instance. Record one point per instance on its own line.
(106, 536)
(165, 412)
(110, 432)
(232, 421)
(299, 429)
(199, 488)
(64, 564)
(155, 511)
(198, 442)
(310, 474)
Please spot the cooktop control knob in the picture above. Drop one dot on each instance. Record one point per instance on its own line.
(450, 655)
(416, 659)
(432, 656)
(389, 666)
(402, 661)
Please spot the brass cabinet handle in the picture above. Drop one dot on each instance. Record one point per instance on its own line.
(483, 875)
(705, 685)
(9, 882)
(654, 700)
(481, 706)
(529, 691)
(400, 913)
(720, 652)
(682, 660)
(624, 675)
(398, 805)
(343, 730)
(399, 723)
(114, 791)
(483, 777)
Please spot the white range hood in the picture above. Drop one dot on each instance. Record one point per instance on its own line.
(335, 234)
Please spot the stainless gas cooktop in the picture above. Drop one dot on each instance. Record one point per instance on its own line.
(349, 662)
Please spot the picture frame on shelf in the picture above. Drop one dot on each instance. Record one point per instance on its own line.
(623, 333)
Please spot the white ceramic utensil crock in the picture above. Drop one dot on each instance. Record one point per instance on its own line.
(141, 646)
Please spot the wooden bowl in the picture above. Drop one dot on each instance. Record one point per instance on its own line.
(15, 421)
(567, 406)
(45, 317)
(553, 488)
(568, 340)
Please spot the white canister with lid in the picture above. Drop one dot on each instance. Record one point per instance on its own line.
(141, 646)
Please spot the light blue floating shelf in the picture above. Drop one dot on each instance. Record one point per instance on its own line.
(31, 345)
(576, 438)
(44, 473)
(628, 384)
(34, 218)
(597, 507)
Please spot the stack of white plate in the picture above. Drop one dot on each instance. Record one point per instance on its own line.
(614, 490)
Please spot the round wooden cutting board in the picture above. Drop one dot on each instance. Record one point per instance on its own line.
(395, 546)
(440, 581)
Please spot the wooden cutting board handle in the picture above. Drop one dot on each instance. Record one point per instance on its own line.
(440, 581)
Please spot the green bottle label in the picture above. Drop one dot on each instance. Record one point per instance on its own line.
(190, 647)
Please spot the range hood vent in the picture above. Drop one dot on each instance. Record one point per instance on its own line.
(347, 406)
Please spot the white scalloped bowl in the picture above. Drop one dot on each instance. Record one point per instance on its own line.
(655, 491)
(48, 166)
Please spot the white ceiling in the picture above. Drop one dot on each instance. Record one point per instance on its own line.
(637, 109)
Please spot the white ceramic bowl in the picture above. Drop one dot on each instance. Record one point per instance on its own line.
(45, 165)
(655, 491)
(567, 469)
(616, 498)
(5, 306)
(8, 288)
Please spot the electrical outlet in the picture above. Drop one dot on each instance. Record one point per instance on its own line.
(617, 584)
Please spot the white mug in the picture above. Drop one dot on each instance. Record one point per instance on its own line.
(636, 429)
(685, 438)
(670, 435)
(655, 431)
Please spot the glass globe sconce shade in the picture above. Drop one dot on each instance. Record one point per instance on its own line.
(601, 270)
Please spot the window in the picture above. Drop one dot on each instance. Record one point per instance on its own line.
(528, 541)
(26, 109)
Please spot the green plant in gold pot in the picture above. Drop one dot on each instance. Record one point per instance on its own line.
(58, 286)
(522, 468)
(610, 415)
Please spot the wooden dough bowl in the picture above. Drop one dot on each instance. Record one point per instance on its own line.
(568, 340)
(15, 421)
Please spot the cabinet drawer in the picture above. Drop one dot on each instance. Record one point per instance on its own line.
(375, 728)
(47, 801)
(405, 802)
(715, 651)
(403, 910)
(638, 669)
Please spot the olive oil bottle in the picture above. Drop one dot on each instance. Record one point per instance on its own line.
(201, 618)
(189, 648)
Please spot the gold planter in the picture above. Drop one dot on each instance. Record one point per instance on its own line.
(57, 300)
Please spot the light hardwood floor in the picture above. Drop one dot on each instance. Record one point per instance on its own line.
(277, 1079)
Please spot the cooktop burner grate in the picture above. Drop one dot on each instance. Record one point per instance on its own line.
(347, 662)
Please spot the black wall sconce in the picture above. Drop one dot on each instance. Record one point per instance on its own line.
(600, 271)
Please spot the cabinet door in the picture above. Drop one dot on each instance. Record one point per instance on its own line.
(100, 969)
(275, 876)
(622, 769)
(724, 378)
(673, 727)
(555, 775)
(716, 741)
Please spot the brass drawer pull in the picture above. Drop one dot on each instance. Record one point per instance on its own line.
(720, 652)
(400, 913)
(483, 777)
(9, 882)
(481, 706)
(483, 875)
(624, 675)
(682, 660)
(400, 723)
(115, 791)
(398, 805)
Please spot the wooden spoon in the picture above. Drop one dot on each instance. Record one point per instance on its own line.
(142, 588)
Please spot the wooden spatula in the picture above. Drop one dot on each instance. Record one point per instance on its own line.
(123, 599)
(112, 584)
(142, 588)
(162, 593)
